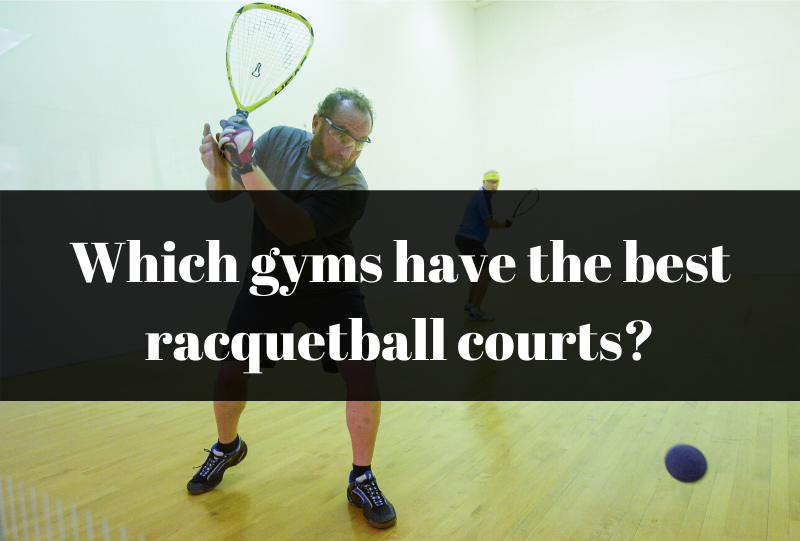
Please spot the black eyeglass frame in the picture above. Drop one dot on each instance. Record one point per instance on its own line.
(337, 128)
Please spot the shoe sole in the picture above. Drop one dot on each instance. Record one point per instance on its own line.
(203, 490)
(376, 525)
(209, 489)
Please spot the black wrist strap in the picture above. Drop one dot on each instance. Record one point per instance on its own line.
(237, 173)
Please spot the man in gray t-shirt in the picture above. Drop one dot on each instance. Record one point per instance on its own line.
(335, 204)
(308, 195)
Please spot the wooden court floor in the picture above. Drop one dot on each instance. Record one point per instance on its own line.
(454, 470)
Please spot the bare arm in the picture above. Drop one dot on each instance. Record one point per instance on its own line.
(221, 190)
(491, 223)
(288, 221)
(291, 223)
(219, 184)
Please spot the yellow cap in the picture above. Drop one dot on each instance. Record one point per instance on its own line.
(491, 175)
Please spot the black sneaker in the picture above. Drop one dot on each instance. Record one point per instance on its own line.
(476, 314)
(363, 492)
(211, 472)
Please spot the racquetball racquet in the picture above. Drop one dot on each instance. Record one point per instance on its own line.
(528, 201)
(267, 46)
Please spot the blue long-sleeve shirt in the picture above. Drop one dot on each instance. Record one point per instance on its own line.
(479, 209)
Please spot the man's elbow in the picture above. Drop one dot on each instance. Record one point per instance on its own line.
(221, 196)
(295, 237)
(218, 196)
(304, 231)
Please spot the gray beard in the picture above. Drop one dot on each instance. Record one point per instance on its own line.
(326, 169)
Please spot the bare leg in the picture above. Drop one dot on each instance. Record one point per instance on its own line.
(473, 288)
(363, 418)
(482, 286)
(227, 415)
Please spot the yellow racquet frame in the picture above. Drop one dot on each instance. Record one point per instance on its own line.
(249, 108)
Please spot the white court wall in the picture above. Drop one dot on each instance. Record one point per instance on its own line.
(113, 95)
(561, 95)
(640, 95)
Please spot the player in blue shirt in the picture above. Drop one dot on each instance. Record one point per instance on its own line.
(472, 234)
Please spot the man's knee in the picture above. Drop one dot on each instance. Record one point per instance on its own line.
(361, 379)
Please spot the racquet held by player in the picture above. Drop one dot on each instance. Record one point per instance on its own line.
(304, 187)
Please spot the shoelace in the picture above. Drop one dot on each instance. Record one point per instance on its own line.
(373, 492)
(209, 464)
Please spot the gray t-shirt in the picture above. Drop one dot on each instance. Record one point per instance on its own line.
(334, 203)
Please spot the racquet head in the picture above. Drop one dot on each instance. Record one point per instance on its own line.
(267, 46)
(527, 202)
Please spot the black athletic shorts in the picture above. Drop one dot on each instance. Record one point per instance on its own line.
(278, 314)
(470, 246)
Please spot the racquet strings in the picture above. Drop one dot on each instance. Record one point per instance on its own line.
(265, 49)
(528, 201)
